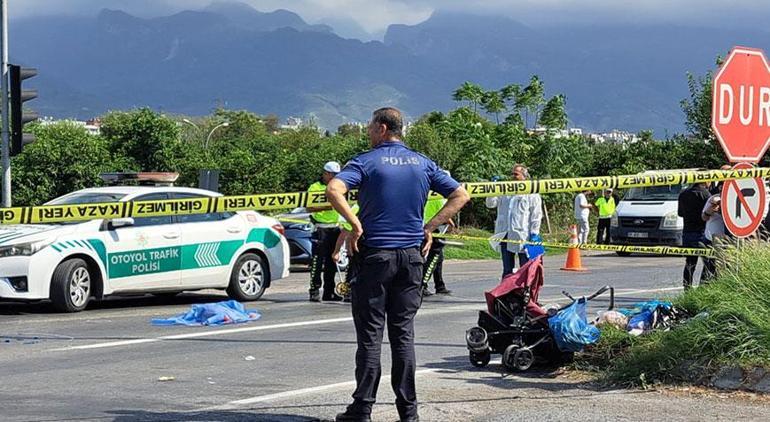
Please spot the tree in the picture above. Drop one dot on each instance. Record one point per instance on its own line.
(554, 115)
(149, 141)
(64, 158)
(470, 92)
(493, 103)
(350, 130)
(645, 136)
(697, 109)
(531, 98)
(509, 95)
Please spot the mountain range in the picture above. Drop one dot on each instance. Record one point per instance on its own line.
(229, 54)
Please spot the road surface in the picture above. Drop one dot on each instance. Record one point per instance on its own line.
(296, 363)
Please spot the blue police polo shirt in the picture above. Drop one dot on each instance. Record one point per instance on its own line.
(393, 183)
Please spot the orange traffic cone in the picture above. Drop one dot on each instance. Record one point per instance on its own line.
(573, 254)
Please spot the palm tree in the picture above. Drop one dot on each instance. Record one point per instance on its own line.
(493, 103)
(471, 92)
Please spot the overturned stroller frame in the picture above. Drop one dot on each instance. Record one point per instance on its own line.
(516, 326)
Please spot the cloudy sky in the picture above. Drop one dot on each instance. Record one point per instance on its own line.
(375, 15)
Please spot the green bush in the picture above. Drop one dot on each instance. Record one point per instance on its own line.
(731, 327)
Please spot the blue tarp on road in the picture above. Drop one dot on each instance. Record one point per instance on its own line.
(220, 313)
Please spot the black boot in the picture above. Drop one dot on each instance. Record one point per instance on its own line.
(347, 416)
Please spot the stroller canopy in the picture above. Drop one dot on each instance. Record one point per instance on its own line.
(529, 278)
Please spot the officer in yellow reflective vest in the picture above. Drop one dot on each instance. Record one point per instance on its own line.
(434, 262)
(324, 239)
(606, 205)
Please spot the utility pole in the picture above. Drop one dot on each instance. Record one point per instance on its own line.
(6, 146)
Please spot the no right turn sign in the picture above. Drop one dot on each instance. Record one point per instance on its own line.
(743, 204)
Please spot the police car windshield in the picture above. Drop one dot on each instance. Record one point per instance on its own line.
(654, 193)
(87, 198)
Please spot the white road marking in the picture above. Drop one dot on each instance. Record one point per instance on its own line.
(203, 334)
(311, 390)
(432, 311)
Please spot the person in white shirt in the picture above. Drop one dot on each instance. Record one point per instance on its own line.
(582, 211)
(714, 232)
(518, 218)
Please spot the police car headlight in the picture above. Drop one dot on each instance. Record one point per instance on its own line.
(24, 249)
(670, 221)
(614, 220)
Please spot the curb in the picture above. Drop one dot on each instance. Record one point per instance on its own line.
(755, 379)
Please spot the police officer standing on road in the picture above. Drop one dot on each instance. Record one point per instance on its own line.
(324, 239)
(389, 242)
(434, 262)
(606, 205)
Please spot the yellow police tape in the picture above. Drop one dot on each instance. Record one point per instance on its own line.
(656, 250)
(279, 201)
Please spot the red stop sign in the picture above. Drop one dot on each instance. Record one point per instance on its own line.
(740, 114)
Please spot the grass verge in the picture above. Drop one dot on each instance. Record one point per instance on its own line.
(471, 249)
(732, 327)
(480, 249)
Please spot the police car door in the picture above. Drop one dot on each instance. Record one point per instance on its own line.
(145, 255)
(209, 242)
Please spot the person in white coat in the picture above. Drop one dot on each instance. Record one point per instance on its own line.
(518, 218)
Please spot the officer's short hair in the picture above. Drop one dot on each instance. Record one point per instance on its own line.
(391, 118)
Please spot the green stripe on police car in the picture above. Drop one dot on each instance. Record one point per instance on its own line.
(174, 258)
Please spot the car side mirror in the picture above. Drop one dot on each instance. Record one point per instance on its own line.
(120, 222)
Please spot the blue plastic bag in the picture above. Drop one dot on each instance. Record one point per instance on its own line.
(641, 321)
(650, 305)
(533, 251)
(228, 312)
(571, 329)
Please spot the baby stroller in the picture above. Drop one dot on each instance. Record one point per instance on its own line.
(516, 326)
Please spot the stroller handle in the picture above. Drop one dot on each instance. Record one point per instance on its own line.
(601, 292)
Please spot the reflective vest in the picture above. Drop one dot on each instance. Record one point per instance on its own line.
(606, 207)
(432, 207)
(323, 217)
(343, 223)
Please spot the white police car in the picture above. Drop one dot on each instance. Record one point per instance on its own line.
(72, 263)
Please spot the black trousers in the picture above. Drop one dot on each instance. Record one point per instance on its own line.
(434, 265)
(388, 292)
(324, 241)
(603, 231)
(693, 240)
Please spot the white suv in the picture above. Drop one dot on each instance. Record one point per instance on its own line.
(71, 263)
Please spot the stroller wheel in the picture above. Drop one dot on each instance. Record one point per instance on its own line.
(508, 357)
(476, 339)
(517, 358)
(524, 358)
(479, 360)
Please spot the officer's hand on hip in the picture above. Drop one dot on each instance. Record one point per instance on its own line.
(427, 242)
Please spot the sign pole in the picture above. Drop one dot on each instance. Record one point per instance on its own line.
(6, 146)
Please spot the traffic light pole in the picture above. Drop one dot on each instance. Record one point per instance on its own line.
(6, 146)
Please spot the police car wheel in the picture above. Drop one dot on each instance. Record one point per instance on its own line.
(247, 281)
(71, 286)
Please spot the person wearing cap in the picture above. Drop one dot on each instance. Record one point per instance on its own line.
(606, 205)
(325, 236)
(388, 240)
